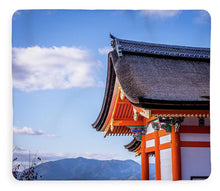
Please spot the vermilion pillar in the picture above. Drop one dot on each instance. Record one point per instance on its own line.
(144, 160)
(176, 158)
(157, 155)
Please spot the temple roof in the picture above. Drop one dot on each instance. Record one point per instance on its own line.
(133, 145)
(152, 74)
(156, 76)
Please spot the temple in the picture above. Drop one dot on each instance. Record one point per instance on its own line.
(159, 95)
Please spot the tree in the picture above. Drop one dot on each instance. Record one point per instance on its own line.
(26, 173)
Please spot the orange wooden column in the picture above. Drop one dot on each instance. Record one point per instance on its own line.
(157, 155)
(144, 160)
(176, 158)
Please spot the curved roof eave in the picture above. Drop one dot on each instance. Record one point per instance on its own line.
(133, 145)
(109, 89)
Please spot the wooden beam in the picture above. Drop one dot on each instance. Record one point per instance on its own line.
(194, 144)
(163, 132)
(128, 122)
(195, 129)
(157, 155)
(165, 146)
(150, 149)
(176, 158)
(149, 136)
(144, 160)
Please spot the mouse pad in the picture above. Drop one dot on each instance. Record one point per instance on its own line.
(111, 94)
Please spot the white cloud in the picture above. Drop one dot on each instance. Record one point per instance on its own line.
(160, 14)
(29, 131)
(52, 135)
(37, 68)
(105, 50)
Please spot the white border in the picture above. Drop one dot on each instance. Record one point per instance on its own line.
(7, 10)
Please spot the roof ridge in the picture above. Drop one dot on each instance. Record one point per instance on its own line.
(126, 46)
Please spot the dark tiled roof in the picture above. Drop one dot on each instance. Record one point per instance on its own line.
(150, 78)
(163, 76)
(156, 76)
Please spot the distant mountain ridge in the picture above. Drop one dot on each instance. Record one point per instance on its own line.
(89, 169)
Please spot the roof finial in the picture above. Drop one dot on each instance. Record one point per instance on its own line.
(111, 36)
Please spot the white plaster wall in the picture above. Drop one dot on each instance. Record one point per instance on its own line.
(195, 161)
(165, 139)
(166, 164)
(150, 143)
(150, 129)
(195, 137)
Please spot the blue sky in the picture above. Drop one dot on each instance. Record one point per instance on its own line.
(60, 68)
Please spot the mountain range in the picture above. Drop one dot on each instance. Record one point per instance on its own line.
(89, 169)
